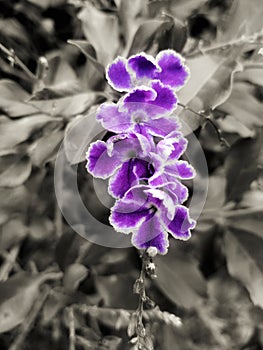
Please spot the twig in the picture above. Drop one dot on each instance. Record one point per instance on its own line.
(14, 60)
(58, 221)
(72, 332)
(255, 38)
(222, 140)
(10, 260)
(136, 327)
(28, 324)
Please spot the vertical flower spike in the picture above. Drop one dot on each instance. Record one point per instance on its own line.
(142, 160)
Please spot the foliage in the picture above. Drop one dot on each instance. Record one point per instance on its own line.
(56, 286)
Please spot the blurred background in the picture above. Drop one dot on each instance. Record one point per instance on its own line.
(58, 290)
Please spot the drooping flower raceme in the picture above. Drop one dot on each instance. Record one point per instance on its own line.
(142, 160)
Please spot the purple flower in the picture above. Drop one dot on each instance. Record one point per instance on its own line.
(149, 213)
(141, 69)
(139, 117)
(104, 158)
(143, 160)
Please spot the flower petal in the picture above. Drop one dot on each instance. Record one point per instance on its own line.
(165, 99)
(151, 234)
(161, 126)
(180, 169)
(138, 96)
(174, 72)
(143, 65)
(181, 224)
(112, 119)
(127, 215)
(118, 76)
(99, 163)
(128, 176)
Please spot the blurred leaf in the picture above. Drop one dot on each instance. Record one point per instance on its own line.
(113, 318)
(241, 167)
(147, 33)
(184, 8)
(40, 228)
(59, 71)
(80, 132)
(16, 201)
(231, 124)
(73, 276)
(117, 290)
(180, 279)
(244, 106)
(44, 149)
(12, 233)
(67, 106)
(88, 51)
(14, 170)
(67, 249)
(174, 37)
(26, 126)
(131, 16)
(17, 295)
(247, 219)
(244, 18)
(48, 3)
(244, 261)
(254, 75)
(57, 91)
(209, 86)
(12, 98)
(103, 37)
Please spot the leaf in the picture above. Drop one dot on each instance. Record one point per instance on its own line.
(44, 149)
(13, 232)
(249, 220)
(117, 290)
(131, 16)
(88, 51)
(14, 170)
(26, 126)
(67, 106)
(59, 71)
(16, 201)
(209, 86)
(17, 295)
(244, 18)
(241, 168)
(80, 132)
(244, 261)
(254, 75)
(44, 4)
(73, 276)
(231, 124)
(180, 279)
(12, 98)
(182, 9)
(146, 35)
(244, 106)
(174, 37)
(103, 37)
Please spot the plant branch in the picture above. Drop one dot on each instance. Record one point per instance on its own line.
(15, 60)
(10, 260)
(28, 324)
(208, 119)
(255, 38)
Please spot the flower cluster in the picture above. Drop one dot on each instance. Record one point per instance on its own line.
(142, 158)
